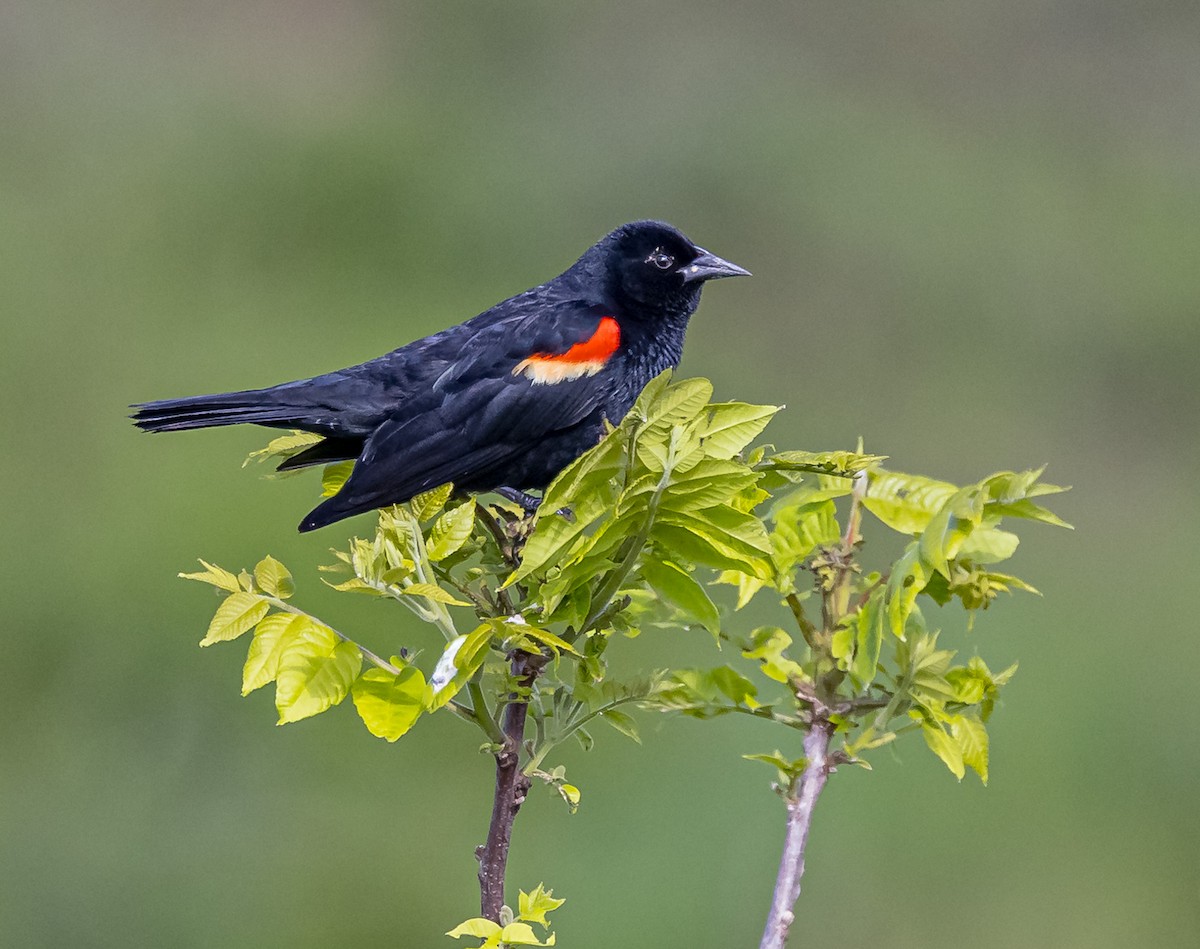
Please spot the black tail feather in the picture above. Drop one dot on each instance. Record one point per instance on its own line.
(258, 406)
(322, 453)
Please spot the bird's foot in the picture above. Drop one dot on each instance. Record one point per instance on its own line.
(529, 504)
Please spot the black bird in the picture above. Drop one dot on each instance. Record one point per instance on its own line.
(502, 402)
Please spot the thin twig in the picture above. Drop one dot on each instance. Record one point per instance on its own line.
(801, 802)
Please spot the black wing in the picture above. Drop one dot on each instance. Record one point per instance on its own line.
(507, 392)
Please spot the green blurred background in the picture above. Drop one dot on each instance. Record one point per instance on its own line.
(973, 232)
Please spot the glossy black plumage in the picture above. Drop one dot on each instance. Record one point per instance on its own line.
(506, 399)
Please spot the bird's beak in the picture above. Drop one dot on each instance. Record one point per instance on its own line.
(710, 267)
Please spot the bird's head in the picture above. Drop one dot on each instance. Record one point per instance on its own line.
(653, 266)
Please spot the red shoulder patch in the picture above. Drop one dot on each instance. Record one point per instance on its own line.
(582, 359)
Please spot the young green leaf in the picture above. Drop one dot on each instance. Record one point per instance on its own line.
(841, 463)
(532, 907)
(972, 738)
(431, 591)
(521, 934)
(680, 589)
(730, 426)
(283, 447)
(272, 636)
(622, 723)
(478, 928)
(905, 503)
(568, 792)
(868, 638)
(543, 636)
(389, 704)
(451, 531)
(460, 660)
(316, 670)
(273, 578)
(426, 505)
(238, 613)
(218, 577)
(334, 477)
(945, 747)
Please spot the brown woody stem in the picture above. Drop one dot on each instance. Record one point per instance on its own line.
(511, 788)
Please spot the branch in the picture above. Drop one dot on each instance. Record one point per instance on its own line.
(801, 801)
(512, 785)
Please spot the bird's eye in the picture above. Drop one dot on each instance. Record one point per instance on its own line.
(661, 259)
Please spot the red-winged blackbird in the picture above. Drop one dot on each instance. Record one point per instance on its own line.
(503, 401)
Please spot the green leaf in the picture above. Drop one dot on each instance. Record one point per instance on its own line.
(217, 576)
(389, 704)
(284, 447)
(868, 639)
(719, 537)
(237, 614)
(799, 530)
(431, 591)
(731, 426)
(585, 487)
(273, 578)
(972, 738)
(905, 503)
(945, 531)
(944, 747)
(533, 906)
(316, 670)
(908, 578)
(746, 585)
(271, 638)
(459, 661)
(710, 481)
(334, 476)
(622, 723)
(789, 768)
(1030, 511)
(680, 589)
(734, 686)
(769, 647)
(451, 531)
(428, 503)
(520, 934)
(679, 402)
(354, 585)
(988, 545)
(543, 636)
(968, 685)
(844, 463)
(478, 928)
(569, 793)
(688, 545)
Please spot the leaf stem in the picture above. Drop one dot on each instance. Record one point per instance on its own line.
(633, 546)
(547, 746)
(483, 714)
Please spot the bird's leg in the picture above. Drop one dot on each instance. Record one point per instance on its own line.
(529, 504)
